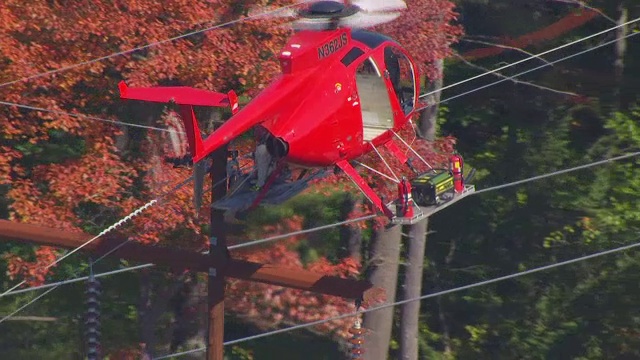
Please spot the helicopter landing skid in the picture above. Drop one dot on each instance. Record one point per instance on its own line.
(280, 191)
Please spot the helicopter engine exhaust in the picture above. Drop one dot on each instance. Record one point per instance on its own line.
(277, 147)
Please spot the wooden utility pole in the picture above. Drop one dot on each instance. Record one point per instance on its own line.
(217, 248)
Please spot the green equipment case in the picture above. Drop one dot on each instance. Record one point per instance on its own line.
(427, 189)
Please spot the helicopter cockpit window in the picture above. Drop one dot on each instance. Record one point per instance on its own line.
(377, 115)
(401, 76)
(351, 56)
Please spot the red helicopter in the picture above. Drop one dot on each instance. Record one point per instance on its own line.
(342, 93)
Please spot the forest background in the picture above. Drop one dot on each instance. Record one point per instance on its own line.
(79, 174)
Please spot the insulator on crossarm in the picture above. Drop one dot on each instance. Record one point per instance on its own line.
(356, 341)
(92, 318)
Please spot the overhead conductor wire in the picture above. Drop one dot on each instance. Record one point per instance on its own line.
(506, 78)
(28, 107)
(364, 218)
(54, 286)
(423, 297)
(155, 43)
(135, 213)
(532, 57)
(102, 233)
(88, 117)
(277, 237)
(323, 227)
(367, 217)
(78, 279)
(80, 64)
(477, 192)
(154, 201)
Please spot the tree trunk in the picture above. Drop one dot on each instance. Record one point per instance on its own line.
(383, 273)
(350, 234)
(446, 337)
(620, 51)
(147, 322)
(187, 323)
(151, 307)
(410, 312)
(428, 122)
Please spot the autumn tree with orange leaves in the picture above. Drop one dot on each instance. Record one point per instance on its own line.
(78, 174)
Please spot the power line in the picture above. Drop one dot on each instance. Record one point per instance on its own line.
(564, 171)
(78, 279)
(279, 9)
(28, 107)
(277, 237)
(58, 284)
(115, 248)
(423, 297)
(323, 227)
(102, 233)
(135, 213)
(155, 43)
(301, 232)
(537, 56)
(5, 318)
(89, 117)
(273, 238)
(182, 353)
(530, 70)
(55, 285)
(363, 218)
(506, 78)
(328, 226)
(107, 230)
(283, 8)
(133, 268)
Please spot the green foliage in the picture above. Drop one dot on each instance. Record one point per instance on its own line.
(95, 217)
(61, 146)
(317, 207)
(63, 337)
(238, 353)
(557, 314)
(511, 132)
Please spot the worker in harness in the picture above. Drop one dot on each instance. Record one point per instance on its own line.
(264, 162)
(404, 207)
(455, 167)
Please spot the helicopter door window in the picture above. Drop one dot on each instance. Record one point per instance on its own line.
(377, 115)
(402, 77)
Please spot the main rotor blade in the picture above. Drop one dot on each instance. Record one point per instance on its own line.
(380, 5)
(271, 13)
(364, 20)
(356, 21)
